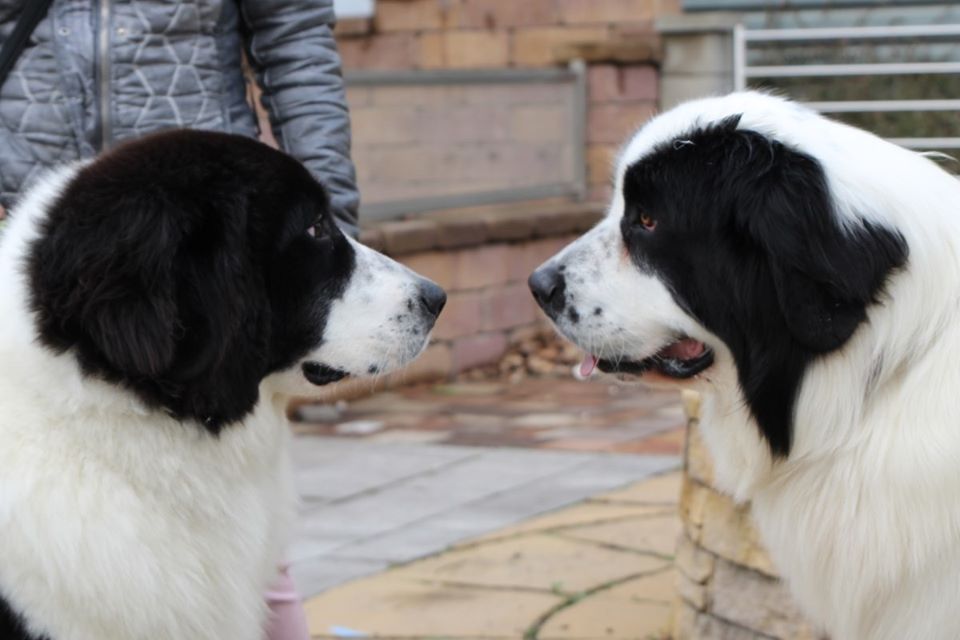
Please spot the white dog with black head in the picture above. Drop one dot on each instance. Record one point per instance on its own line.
(804, 276)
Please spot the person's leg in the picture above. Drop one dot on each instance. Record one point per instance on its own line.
(287, 618)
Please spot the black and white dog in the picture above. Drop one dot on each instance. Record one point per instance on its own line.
(805, 277)
(158, 307)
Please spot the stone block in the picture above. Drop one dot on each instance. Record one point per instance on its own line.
(436, 265)
(409, 15)
(454, 232)
(509, 307)
(542, 46)
(601, 161)
(481, 267)
(499, 14)
(408, 236)
(619, 83)
(463, 315)
(695, 594)
(613, 123)
(727, 531)
(384, 51)
(464, 50)
(605, 11)
(757, 602)
(699, 463)
(693, 562)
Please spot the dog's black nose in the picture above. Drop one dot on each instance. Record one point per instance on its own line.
(432, 298)
(549, 288)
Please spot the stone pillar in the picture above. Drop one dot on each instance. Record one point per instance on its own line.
(697, 56)
(727, 587)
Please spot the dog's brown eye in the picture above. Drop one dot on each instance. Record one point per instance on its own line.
(648, 222)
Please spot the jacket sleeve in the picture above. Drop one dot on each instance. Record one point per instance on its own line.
(292, 50)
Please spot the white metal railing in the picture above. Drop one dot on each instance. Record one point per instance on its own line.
(743, 72)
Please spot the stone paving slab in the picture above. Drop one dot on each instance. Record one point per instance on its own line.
(408, 473)
(459, 493)
(533, 581)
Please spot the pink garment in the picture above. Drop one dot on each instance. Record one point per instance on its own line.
(287, 618)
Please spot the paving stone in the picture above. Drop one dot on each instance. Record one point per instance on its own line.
(533, 562)
(664, 489)
(394, 607)
(362, 469)
(615, 613)
(655, 534)
(572, 517)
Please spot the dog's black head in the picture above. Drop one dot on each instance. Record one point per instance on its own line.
(724, 238)
(189, 266)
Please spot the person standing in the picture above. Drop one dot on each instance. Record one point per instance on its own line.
(97, 72)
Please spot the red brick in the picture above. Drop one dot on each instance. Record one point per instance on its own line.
(544, 45)
(463, 315)
(524, 259)
(353, 27)
(613, 123)
(600, 163)
(641, 82)
(482, 267)
(509, 307)
(605, 11)
(464, 50)
(498, 14)
(437, 265)
(386, 51)
(631, 83)
(476, 351)
(410, 15)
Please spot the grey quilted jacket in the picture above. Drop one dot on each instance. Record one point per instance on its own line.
(99, 71)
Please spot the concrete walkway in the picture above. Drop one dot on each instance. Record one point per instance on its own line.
(599, 570)
(392, 478)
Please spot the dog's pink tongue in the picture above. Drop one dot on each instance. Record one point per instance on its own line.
(588, 365)
(687, 349)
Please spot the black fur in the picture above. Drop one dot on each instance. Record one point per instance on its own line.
(749, 243)
(11, 625)
(180, 266)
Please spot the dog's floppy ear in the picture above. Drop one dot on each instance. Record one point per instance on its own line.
(108, 292)
(156, 289)
(825, 271)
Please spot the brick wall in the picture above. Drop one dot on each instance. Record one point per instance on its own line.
(616, 37)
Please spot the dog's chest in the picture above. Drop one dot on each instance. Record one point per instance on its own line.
(141, 528)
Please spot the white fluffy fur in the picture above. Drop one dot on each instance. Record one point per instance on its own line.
(863, 518)
(120, 523)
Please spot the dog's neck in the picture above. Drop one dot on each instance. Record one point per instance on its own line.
(887, 379)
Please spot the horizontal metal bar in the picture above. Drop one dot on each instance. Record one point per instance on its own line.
(458, 76)
(386, 210)
(853, 33)
(886, 106)
(927, 143)
(830, 70)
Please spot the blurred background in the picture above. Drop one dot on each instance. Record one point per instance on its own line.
(484, 492)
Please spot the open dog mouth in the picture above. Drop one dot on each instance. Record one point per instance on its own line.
(321, 374)
(682, 359)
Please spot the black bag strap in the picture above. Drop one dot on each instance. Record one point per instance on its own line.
(30, 17)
